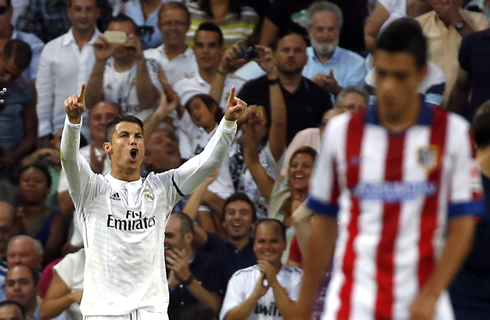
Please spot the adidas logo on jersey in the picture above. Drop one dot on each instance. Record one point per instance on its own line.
(116, 197)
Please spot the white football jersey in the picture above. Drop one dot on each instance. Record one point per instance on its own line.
(242, 285)
(124, 224)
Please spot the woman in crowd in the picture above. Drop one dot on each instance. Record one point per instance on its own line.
(38, 220)
(236, 21)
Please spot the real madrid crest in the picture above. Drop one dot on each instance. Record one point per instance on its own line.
(149, 196)
(428, 157)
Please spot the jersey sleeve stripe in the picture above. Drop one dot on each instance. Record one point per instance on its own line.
(430, 209)
(476, 208)
(319, 206)
(177, 188)
(355, 132)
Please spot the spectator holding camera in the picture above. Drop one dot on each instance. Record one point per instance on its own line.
(209, 51)
(121, 74)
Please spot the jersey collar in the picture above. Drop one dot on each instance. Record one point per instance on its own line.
(425, 115)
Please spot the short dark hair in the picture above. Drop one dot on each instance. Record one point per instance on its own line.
(304, 150)
(41, 167)
(14, 303)
(122, 18)
(240, 196)
(209, 102)
(109, 131)
(186, 224)
(174, 5)
(404, 35)
(480, 127)
(212, 27)
(32, 271)
(281, 225)
(275, 44)
(19, 51)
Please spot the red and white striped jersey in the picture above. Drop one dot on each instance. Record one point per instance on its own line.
(393, 194)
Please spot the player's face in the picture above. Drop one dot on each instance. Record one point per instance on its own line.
(100, 116)
(269, 244)
(397, 79)
(324, 32)
(300, 169)
(83, 15)
(22, 252)
(173, 25)
(201, 115)
(33, 186)
(207, 49)
(9, 70)
(20, 287)
(238, 221)
(162, 152)
(10, 312)
(127, 148)
(291, 55)
(120, 50)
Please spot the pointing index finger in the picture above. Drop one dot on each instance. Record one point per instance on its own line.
(231, 98)
(81, 97)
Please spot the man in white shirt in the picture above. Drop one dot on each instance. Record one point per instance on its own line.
(268, 289)
(121, 73)
(174, 56)
(124, 216)
(209, 49)
(65, 64)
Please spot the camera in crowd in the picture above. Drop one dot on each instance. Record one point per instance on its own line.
(248, 53)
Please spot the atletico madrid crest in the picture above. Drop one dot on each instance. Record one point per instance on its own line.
(429, 158)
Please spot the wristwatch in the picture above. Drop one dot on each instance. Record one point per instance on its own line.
(459, 25)
(273, 81)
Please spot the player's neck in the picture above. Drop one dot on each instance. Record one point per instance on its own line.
(125, 174)
(33, 210)
(400, 121)
(30, 310)
(208, 74)
(121, 65)
(82, 38)
(173, 51)
(290, 82)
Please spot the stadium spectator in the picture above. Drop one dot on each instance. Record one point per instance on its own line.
(209, 49)
(7, 32)
(162, 150)
(12, 310)
(21, 285)
(235, 20)
(49, 20)
(330, 66)
(445, 27)
(248, 296)
(8, 229)
(473, 75)
(65, 289)
(39, 221)
(121, 73)
(18, 121)
(174, 56)
(194, 277)
(66, 63)
(305, 101)
(145, 14)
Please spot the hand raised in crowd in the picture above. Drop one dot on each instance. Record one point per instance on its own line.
(251, 121)
(103, 48)
(75, 106)
(327, 82)
(260, 289)
(234, 106)
(231, 59)
(166, 105)
(266, 60)
(133, 44)
(448, 11)
(177, 263)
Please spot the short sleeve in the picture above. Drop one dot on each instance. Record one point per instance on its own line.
(466, 196)
(324, 187)
(235, 294)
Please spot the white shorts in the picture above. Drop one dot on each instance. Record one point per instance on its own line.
(135, 315)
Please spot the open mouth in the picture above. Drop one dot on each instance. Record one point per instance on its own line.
(133, 153)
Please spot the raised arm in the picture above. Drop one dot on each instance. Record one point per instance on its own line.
(95, 90)
(78, 172)
(225, 67)
(192, 173)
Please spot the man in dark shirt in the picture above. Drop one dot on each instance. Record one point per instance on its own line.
(305, 101)
(471, 287)
(195, 277)
(235, 252)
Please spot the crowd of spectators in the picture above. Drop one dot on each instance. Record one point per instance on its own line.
(234, 246)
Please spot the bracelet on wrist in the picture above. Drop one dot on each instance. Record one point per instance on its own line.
(188, 281)
(273, 81)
